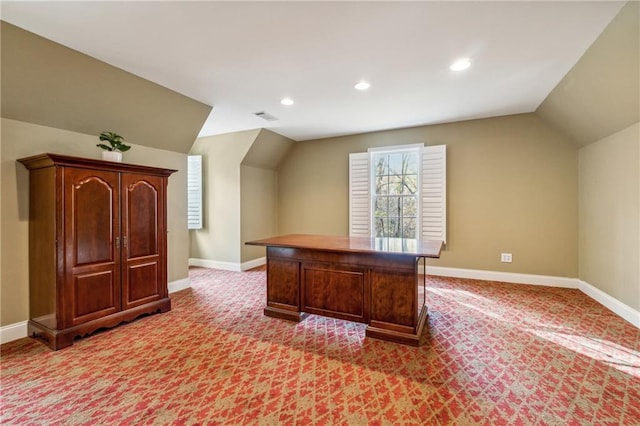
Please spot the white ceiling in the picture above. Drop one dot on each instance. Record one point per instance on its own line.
(243, 57)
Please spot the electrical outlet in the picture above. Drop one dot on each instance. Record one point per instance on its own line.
(506, 258)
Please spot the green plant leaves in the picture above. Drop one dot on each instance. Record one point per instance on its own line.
(116, 142)
(103, 146)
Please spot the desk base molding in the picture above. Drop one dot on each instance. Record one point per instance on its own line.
(285, 314)
(392, 333)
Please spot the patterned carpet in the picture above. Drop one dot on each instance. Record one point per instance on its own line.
(494, 354)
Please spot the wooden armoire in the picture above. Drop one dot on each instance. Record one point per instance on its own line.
(97, 245)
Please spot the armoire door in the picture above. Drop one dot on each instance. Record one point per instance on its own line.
(90, 236)
(144, 239)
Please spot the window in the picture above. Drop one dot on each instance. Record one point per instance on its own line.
(398, 192)
(394, 193)
(194, 191)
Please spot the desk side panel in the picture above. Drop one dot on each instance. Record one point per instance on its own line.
(283, 278)
(394, 299)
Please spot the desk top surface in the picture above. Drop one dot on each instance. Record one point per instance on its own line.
(411, 247)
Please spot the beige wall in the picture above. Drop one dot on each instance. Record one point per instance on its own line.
(258, 208)
(240, 182)
(512, 186)
(20, 139)
(219, 240)
(258, 190)
(609, 215)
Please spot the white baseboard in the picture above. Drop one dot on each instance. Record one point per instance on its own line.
(253, 263)
(619, 308)
(215, 264)
(178, 285)
(12, 332)
(228, 266)
(507, 277)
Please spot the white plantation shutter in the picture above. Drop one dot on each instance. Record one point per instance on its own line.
(434, 193)
(194, 191)
(359, 199)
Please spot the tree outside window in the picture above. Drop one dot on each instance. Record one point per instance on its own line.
(395, 194)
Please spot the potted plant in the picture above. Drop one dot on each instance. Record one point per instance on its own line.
(113, 151)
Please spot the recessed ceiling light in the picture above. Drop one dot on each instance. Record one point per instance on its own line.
(460, 64)
(362, 85)
(286, 101)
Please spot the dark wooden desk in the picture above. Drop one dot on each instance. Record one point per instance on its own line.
(372, 281)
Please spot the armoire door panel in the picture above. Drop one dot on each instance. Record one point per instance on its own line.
(143, 284)
(144, 227)
(96, 295)
(92, 209)
(92, 259)
(142, 217)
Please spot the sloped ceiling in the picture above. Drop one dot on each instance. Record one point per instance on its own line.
(600, 95)
(244, 56)
(49, 84)
(268, 150)
(46, 83)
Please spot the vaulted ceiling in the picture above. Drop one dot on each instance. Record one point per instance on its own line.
(601, 93)
(244, 57)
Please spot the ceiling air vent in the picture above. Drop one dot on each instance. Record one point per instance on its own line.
(265, 116)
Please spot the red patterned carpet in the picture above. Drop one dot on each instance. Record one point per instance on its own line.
(494, 354)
